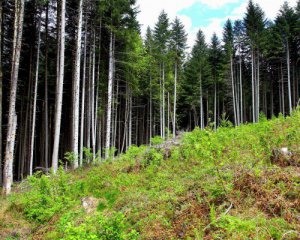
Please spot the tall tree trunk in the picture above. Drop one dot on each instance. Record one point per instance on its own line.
(59, 88)
(282, 92)
(76, 84)
(35, 100)
(1, 79)
(46, 113)
(168, 115)
(109, 102)
(130, 119)
(160, 102)
(12, 116)
(83, 100)
(233, 91)
(289, 76)
(241, 91)
(253, 86)
(258, 87)
(175, 101)
(93, 99)
(151, 111)
(201, 104)
(163, 103)
(215, 107)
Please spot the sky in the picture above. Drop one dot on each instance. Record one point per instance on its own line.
(209, 15)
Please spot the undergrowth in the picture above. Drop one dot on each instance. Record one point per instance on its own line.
(215, 185)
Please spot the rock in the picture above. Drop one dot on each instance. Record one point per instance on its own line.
(90, 204)
(285, 151)
(283, 157)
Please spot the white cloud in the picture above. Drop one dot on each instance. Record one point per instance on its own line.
(270, 7)
(217, 3)
(150, 10)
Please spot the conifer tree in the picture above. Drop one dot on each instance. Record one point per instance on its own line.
(161, 35)
(178, 42)
(255, 25)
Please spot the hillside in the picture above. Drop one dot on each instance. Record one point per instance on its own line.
(231, 184)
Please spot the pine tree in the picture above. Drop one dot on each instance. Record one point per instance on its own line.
(255, 25)
(161, 39)
(286, 23)
(229, 54)
(216, 66)
(178, 42)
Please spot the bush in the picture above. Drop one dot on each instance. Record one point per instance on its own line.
(97, 226)
(48, 195)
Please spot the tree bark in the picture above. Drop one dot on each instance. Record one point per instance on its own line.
(83, 100)
(46, 113)
(12, 117)
(175, 101)
(1, 79)
(35, 100)
(59, 88)
(109, 102)
(76, 84)
(233, 91)
(289, 76)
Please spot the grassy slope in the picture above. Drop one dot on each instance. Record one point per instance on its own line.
(224, 185)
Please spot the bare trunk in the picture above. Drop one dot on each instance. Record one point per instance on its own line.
(258, 88)
(83, 101)
(109, 102)
(241, 91)
(12, 117)
(46, 114)
(150, 115)
(201, 104)
(175, 101)
(163, 103)
(59, 89)
(289, 76)
(282, 92)
(93, 101)
(233, 92)
(215, 107)
(253, 86)
(76, 85)
(130, 119)
(35, 100)
(1, 79)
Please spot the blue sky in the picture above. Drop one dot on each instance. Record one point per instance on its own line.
(209, 15)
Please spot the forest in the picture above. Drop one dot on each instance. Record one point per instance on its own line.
(167, 141)
(79, 83)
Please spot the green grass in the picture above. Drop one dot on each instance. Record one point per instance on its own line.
(216, 185)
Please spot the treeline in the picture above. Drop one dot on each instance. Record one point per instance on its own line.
(253, 69)
(78, 83)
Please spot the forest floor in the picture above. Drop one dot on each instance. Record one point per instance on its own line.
(236, 183)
